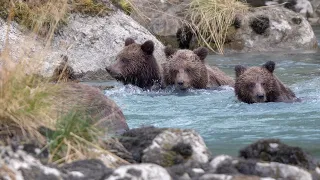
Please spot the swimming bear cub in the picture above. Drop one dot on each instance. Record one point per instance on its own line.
(260, 84)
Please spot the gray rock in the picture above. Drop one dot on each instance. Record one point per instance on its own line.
(92, 43)
(272, 29)
(16, 164)
(166, 147)
(163, 17)
(304, 7)
(232, 167)
(276, 151)
(140, 172)
(229, 177)
(176, 146)
(86, 169)
(137, 140)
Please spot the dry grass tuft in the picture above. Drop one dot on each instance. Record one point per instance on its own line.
(90, 7)
(41, 15)
(72, 137)
(29, 102)
(24, 103)
(210, 19)
(125, 5)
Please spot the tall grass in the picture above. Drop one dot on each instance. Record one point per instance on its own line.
(29, 101)
(210, 20)
(44, 16)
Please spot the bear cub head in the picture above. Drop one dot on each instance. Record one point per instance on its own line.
(185, 68)
(136, 65)
(260, 84)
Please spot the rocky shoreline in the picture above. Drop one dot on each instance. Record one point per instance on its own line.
(166, 153)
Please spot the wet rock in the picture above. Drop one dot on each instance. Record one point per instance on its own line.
(276, 151)
(189, 170)
(140, 172)
(271, 29)
(114, 146)
(166, 147)
(233, 167)
(86, 169)
(164, 151)
(18, 164)
(137, 140)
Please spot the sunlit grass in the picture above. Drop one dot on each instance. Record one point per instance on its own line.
(211, 19)
(72, 137)
(125, 5)
(41, 15)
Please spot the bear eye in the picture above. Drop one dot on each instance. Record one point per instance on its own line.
(263, 84)
(251, 85)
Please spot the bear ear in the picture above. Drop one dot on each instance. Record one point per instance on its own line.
(168, 51)
(239, 70)
(270, 65)
(148, 47)
(202, 52)
(128, 41)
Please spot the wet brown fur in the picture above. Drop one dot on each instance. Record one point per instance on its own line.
(260, 81)
(136, 65)
(189, 66)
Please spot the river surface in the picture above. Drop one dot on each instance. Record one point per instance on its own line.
(226, 124)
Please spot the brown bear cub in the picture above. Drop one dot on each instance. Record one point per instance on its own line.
(136, 65)
(259, 84)
(187, 69)
(64, 72)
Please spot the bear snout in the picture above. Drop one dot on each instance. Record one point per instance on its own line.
(260, 97)
(112, 72)
(180, 83)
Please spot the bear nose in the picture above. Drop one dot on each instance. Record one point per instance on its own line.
(260, 96)
(180, 83)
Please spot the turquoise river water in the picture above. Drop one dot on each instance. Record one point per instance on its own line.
(226, 124)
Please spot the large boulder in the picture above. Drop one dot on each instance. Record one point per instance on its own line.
(273, 150)
(165, 146)
(163, 18)
(310, 9)
(315, 19)
(272, 29)
(91, 43)
(104, 112)
(233, 167)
